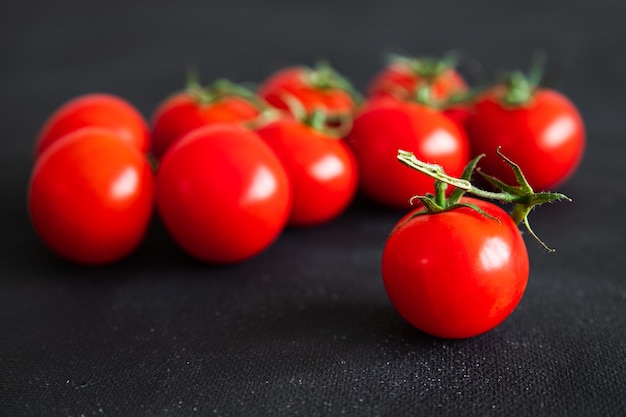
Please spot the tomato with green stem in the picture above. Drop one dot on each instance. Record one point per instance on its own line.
(197, 106)
(321, 167)
(539, 128)
(315, 88)
(95, 110)
(222, 193)
(457, 266)
(403, 77)
(385, 125)
(91, 196)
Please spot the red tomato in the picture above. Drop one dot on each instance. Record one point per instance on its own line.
(386, 125)
(456, 274)
(91, 196)
(322, 170)
(182, 113)
(402, 78)
(98, 110)
(318, 88)
(222, 193)
(544, 136)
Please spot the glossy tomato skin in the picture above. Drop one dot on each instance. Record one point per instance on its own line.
(295, 82)
(91, 196)
(181, 113)
(545, 137)
(386, 125)
(95, 110)
(222, 193)
(322, 170)
(400, 81)
(456, 274)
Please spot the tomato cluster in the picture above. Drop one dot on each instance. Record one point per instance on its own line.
(228, 168)
(225, 170)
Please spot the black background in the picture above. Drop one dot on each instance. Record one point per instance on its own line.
(305, 328)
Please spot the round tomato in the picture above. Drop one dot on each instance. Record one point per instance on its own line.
(458, 273)
(321, 168)
(97, 110)
(222, 193)
(91, 196)
(402, 77)
(188, 110)
(545, 136)
(386, 125)
(319, 88)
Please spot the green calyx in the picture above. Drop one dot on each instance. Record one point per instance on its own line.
(423, 95)
(428, 68)
(220, 89)
(522, 196)
(519, 88)
(336, 126)
(325, 77)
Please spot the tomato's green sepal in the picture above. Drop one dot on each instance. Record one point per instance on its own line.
(521, 195)
(519, 87)
(457, 193)
(220, 89)
(427, 67)
(324, 77)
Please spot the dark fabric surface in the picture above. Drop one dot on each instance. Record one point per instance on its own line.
(306, 327)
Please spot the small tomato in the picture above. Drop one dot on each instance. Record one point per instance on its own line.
(222, 193)
(91, 196)
(386, 125)
(96, 110)
(321, 167)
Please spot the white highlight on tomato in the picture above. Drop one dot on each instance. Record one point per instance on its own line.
(263, 185)
(440, 142)
(126, 184)
(559, 131)
(494, 254)
(327, 168)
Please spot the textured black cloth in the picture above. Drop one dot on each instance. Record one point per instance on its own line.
(306, 327)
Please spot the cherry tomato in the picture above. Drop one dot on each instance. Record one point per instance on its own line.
(386, 125)
(222, 193)
(91, 196)
(401, 79)
(98, 110)
(545, 136)
(319, 88)
(188, 110)
(321, 167)
(458, 273)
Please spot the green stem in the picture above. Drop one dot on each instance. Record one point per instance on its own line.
(440, 193)
(522, 196)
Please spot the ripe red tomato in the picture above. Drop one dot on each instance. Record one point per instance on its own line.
(185, 111)
(545, 136)
(401, 79)
(91, 196)
(321, 168)
(458, 273)
(222, 193)
(98, 110)
(386, 125)
(319, 88)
